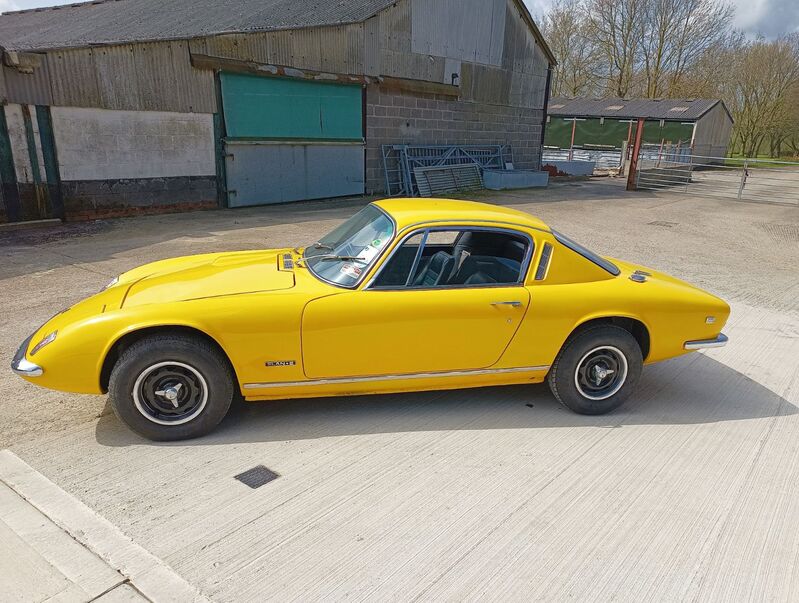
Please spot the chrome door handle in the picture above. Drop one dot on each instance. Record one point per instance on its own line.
(515, 304)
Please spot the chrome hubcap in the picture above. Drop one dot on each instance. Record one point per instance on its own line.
(170, 393)
(601, 373)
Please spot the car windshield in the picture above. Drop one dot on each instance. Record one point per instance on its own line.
(345, 255)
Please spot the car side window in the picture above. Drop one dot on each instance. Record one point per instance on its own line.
(457, 258)
(397, 270)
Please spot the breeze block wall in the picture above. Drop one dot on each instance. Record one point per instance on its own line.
(119, 163)
(405, 117)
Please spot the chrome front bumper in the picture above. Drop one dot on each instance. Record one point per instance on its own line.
(718, 342)
(21, 366)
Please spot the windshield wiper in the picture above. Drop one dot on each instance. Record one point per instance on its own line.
(322, 246)
(338, 258)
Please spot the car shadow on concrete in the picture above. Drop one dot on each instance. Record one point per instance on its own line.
(691, 390)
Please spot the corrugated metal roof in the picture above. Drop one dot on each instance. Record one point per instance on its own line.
(667, 108)
(121, 21)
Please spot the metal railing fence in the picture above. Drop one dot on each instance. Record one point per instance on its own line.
(747, 179)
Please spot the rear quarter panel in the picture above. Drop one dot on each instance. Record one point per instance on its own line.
(672, 312)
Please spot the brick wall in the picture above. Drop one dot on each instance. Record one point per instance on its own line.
(399, 117)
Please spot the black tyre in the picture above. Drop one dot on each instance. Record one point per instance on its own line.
(171, 387)
(597, 370)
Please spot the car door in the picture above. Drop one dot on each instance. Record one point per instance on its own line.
(427, 324)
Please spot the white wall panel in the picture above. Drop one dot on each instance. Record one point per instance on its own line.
(100, 144)
(19, 143)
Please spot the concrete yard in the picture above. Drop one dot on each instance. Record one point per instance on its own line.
(689, 492)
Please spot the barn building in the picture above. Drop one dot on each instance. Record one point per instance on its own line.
(114, 107)
(703, 125)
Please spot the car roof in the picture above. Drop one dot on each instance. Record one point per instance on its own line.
(408, 211)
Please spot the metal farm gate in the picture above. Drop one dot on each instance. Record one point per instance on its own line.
(403, 164)
(745, 179)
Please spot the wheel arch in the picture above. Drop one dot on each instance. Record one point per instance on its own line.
(635, 326)
(125, 340)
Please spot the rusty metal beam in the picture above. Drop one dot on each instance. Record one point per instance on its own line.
(203, 61)
(639, 136)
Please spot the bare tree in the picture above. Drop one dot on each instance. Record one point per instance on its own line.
(579, 61)
(680, 48)
(615, 26)
(674, 34)
(791, 130)
(765, 75)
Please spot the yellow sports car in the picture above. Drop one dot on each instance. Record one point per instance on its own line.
(407, 295)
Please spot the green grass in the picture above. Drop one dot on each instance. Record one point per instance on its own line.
(762, 161)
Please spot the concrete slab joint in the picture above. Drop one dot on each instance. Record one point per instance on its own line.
(107, 564)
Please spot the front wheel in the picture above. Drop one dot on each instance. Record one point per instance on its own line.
(171, 387)
(597, 370)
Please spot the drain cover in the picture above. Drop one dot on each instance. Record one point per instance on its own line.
(257, 476)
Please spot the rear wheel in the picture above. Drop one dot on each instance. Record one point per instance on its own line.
(597, 370)
(171, 387)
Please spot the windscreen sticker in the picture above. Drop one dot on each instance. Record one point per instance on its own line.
(351, 270)
(368, 253)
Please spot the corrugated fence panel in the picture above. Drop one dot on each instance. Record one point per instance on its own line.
(74, 78)
(307, 50)
(118, 84)
(199, 46)
(170, 83)
(234, 46)
(509, 40)
(458, 29)
(29, 88)
(356, 62)
(540, 62)
(498, 24)
(412, 66)
(196, 87)
(152, 75)
(371, 46)
(395, 27)
(520, 44)
(484, 25)
(281, 48)
(148, 77)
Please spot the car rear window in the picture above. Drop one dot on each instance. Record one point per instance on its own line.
(587, 253)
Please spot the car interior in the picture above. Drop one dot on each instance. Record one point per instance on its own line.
(472, 258)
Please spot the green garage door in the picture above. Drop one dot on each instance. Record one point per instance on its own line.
(289, 140)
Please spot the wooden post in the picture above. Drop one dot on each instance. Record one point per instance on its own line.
(639, 136)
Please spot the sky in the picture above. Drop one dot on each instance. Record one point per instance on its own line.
(771, 18)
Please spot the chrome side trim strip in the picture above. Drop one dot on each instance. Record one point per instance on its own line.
(718, 342)
(26, 369)
(345, 380)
